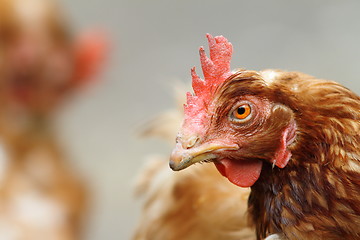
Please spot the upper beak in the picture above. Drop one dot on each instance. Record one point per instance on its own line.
(182, 158)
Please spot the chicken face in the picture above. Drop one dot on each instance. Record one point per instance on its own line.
(238, 128)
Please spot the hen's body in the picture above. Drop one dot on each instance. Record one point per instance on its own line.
(40, 196)
(193, 205)
(316, 196)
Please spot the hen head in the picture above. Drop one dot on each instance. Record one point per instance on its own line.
(234, 119)
(40, 60)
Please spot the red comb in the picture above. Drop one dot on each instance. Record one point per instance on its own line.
(216, 70)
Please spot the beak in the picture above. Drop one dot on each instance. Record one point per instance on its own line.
(182, 158)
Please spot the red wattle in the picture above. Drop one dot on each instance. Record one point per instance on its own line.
(242, 173)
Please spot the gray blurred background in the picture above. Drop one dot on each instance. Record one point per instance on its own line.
(154, 44)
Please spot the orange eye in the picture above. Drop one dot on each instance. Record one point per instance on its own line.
(242, 112)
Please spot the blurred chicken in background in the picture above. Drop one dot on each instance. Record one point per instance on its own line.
(41, 197)
(192, 205)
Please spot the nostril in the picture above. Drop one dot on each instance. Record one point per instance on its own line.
(191, 142)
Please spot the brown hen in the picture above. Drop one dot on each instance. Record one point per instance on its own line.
(41, 196)
(292, 138)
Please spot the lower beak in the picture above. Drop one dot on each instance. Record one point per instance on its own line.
(182, 158)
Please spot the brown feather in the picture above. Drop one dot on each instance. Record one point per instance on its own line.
(196, 204)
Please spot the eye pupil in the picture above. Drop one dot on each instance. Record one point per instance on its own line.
(241, 110)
